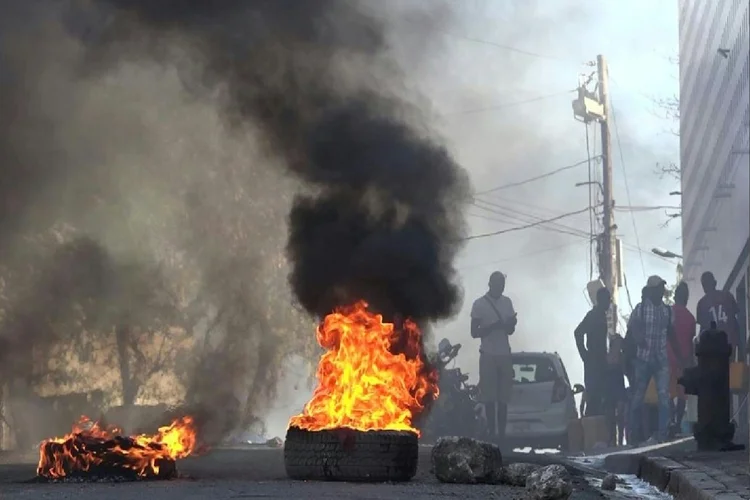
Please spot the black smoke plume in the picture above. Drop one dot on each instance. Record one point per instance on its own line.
(382, 221)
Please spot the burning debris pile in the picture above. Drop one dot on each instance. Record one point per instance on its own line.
(92, 452)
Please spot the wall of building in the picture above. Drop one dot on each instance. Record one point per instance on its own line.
(714, 139)
(714, 144)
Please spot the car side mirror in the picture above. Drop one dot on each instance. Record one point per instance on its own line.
(578, 389)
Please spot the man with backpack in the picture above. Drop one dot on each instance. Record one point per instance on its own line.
(651, 327)
(493, 320)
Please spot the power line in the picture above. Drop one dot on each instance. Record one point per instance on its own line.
(481, 41)
(532, 179)
(506, 105)
(527, 226)
(516, 201)
(645, 208)
(503, 46)
(519, 216)
(563, 230)
(526, 217)
(556, 227)
(627, 186)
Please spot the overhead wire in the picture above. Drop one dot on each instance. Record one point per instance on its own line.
(628, 208)
(508, 48)
(527, 226)
(541, 227)
(548, 224)
(519, 216)
(481, 41)
(532, 179)
(497, 107)
(497, 197)
(627, 186)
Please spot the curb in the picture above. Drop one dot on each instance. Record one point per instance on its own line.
(682, 482)
(623, 463)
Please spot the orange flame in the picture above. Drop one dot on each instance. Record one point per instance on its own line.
(90, 445)
(373, 376)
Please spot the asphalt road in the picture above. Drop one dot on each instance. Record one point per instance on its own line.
(259, 473)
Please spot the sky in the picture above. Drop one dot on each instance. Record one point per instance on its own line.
(496, 78)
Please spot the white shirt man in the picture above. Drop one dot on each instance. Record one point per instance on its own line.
(493, 320)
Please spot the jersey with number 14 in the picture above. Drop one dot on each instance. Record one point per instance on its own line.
(721, 307)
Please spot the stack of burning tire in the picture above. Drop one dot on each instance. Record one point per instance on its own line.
(372, 382)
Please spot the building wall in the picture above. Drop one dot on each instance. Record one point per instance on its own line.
(714, 140)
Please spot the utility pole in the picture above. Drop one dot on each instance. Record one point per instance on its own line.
(609, 241)
(588, 108)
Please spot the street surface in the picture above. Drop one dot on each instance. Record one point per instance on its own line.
(259, 473)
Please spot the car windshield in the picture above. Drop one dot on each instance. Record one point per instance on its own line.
(530, 370)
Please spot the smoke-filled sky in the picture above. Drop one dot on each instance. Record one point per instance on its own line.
(471, 81)
(464, 64)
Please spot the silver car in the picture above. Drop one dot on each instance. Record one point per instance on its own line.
(542, 402)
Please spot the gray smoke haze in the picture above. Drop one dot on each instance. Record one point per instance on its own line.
(127, 168)
(385, 222)
(165, 134)
(153, 137)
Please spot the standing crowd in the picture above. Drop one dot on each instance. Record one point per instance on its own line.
(658, 345)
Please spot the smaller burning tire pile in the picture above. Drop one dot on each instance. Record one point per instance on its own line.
(358, 425)
(93, 453)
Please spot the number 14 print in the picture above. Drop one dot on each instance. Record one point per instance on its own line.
(718, 314)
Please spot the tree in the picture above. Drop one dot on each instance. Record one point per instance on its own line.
(139, 238)
(668, 108)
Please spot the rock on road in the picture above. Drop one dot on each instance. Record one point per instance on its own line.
(257, 474)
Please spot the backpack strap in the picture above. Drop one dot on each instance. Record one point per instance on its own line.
(492, 305)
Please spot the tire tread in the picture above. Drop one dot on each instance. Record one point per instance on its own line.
(348, 455)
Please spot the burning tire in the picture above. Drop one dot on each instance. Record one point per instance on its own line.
(94, 453)
(350, 455)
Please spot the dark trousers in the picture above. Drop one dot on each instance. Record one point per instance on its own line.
(614, 404)
(497, 421)
(595, 378)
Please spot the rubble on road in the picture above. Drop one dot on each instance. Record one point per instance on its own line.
(276, 442)
(609, 483)
(467, 461)
(515, 474)
(549, 483)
